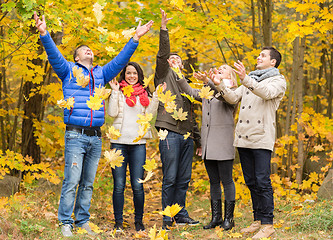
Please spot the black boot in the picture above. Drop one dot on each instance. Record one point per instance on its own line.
(216, 206)
(228, 222)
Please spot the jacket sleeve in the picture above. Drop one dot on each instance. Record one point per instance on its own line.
(186, 88)
(59, 64)
(113, 105)
(153, 105)
(162, 64)
(229, 95)
(112, 68)
(266, 91)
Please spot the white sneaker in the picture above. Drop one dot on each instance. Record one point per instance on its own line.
(88, 229)
(66, 230)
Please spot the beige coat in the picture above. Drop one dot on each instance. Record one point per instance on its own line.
(256, 124)
(116, 109)
(217, 129)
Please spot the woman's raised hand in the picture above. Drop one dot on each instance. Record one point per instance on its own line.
(114, 85)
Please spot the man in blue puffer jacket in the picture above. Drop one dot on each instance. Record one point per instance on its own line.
(83, 144)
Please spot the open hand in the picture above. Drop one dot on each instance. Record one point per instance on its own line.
(40, 24)
(114, 85)
(202, 76)
(164, 20)
(142, 30)
(241, 71)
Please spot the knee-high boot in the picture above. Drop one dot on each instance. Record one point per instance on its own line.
(228, 222)
(216, 206)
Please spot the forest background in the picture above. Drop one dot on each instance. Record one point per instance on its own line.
(206, 34)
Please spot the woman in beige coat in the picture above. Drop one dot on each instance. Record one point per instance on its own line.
(217, 134)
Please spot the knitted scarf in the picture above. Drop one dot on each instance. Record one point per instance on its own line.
(260, 75)
(138, 91)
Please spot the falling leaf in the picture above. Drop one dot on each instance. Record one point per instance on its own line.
(314, 158)
(192, 68)
(102, 92)
(150, 165)
(97, 9)
(178, 72)
(77, 71)
(166, 97)
(113, 133)
(171, 211)
(114, 157)
(128, 90)
(160, 235)
(179, 114)
(178, 3)
(170, 106)
(82, 80)
(110, 51)
(318, 148)
(95, 103)
(128, 33)
(162, 134)
(146, 81)
(149, 175)
(144, 119)
(69, 103)
(187, 135)
(206, 92)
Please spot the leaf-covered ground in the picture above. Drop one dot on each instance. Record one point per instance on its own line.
(32, 213)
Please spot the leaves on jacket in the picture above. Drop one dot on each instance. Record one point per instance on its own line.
(69, 103)
(179, 114)
(95, 102)
(206, 92)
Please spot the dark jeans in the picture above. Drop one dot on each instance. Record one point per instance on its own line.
(176, 156)
(256, 166)
(135, 157)
(220, 171)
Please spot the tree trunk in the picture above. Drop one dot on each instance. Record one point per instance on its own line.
(254, 40)
(267, 9)
(330, 85)
(299, 90)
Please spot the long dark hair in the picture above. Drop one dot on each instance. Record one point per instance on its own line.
(140, 74)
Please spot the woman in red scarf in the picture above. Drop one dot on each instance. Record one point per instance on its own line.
(128, 99)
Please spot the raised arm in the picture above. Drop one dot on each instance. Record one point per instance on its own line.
(162, 64)
(56, 59)
(273, 89)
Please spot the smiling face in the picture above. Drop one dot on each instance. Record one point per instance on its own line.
(131, 75)
(84, 54)
(264, 60)
(225, 71)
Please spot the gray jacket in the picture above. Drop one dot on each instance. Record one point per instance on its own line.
(217, 129)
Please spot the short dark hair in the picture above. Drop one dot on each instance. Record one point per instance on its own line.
(274, 54)
(77, 49)
(175, 54)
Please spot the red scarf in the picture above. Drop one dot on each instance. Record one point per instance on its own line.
(138, 91)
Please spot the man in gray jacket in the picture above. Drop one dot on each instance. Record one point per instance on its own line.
(176, 151)
(261, 93)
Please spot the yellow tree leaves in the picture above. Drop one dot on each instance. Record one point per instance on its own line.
(69, 103)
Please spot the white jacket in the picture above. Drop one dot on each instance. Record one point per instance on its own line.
(256, 123)
(115, 109)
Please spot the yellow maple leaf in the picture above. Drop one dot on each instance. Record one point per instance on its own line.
(187, 235)
(128, 90)
(144, 119)
(166, 97)
(179, 114)
(219, 231)
(150, 165)
(314, 158)
(69, 103)
(114, 157)
(82, 80)
(95, 228)
(97, 9)
(206, 92)
(146, 81)
(235, 235)
(170, 106)
(318, 148)
(187, 135)
(95, 102)
(171, 211)
(81, 231)
(162, 134)
(178, 72)
(113, 133)
(110, 51)
(148, 176)
(102, 92)
(77, 71)
(160, 235)
(128, 33)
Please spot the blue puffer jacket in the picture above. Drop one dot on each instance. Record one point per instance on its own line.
(81, 114)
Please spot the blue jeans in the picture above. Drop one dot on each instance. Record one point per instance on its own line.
(176, 157)
(135, 157)
(256, 166)
(82, 154)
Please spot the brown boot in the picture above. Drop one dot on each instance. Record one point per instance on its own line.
(252, 228)
(265, 231)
